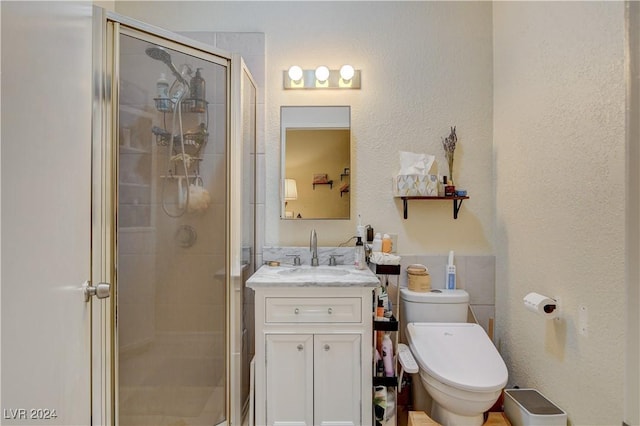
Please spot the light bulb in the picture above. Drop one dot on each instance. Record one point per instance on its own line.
(295, 73)
(347, 72)
(322, 73)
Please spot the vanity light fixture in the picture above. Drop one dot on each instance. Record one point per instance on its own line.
(322, 76)
(347, 77)
(295, 75)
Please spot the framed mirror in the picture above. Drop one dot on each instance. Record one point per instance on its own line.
(316, 162)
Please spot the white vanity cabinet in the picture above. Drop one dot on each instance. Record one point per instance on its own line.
(313, 352)
(299, 366)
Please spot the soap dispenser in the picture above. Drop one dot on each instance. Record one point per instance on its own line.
(360, 261)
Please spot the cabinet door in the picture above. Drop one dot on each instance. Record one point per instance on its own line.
(337, 380)
(289, 367)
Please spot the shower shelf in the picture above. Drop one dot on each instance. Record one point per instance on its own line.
(179, 177)
(130, 150)
(135, 185)
(193, 141)
(191, 105)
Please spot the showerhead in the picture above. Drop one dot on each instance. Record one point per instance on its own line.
(159, 54)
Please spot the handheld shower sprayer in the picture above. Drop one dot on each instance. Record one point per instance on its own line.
(181, 89)
(159, 54)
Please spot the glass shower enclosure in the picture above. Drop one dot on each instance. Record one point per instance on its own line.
(176, 239)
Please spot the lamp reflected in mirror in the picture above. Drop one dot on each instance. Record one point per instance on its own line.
(290, 194)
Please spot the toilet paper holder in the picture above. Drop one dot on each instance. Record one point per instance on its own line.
(542, 305)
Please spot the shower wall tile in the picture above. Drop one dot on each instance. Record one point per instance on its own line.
(483, 313)
(206, 37)
(138, 241)
(246, 44)
(219, 130)
(480, 279)
(260, 228)
(260, 171)
(187, 318)
(260, 131)
(219, 86)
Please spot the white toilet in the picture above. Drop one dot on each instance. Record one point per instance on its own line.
(459, 366)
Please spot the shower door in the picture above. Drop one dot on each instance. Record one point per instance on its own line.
(171, 249)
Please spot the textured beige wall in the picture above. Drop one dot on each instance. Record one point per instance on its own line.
(425, 67)
(559, 129)
(553, 208)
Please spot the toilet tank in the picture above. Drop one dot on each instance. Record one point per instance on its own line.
(434, 306)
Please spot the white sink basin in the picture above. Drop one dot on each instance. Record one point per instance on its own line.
(315, 271)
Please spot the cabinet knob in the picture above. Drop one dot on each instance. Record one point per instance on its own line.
(300, 347)
(296, 311)
(330, 311)
(327, 347)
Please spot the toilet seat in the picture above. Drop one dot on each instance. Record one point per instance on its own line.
(460, 355)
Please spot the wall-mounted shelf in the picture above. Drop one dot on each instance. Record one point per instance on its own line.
(330, 183)
(457, 203)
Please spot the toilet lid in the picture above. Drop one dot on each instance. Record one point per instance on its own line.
(460, 355)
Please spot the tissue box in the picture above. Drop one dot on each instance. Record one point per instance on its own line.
(415, 186)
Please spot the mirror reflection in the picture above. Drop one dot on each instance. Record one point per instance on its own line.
(316, 162)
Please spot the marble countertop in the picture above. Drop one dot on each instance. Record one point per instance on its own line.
(308, 276)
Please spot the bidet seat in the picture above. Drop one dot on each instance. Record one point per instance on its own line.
(460, 355)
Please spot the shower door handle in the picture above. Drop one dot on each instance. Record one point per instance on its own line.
(101, 291)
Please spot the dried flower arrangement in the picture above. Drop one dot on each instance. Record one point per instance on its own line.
(449, 145)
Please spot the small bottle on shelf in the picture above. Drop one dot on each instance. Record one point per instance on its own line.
(387, 355)
(449, 188)
(376, 246)
(360, 261)
(163, 103)
(197, 87)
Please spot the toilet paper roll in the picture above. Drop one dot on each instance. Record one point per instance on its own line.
(541, 305)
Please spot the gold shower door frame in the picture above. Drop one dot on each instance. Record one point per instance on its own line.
(108, 28)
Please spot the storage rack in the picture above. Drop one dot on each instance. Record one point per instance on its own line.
(383, 272)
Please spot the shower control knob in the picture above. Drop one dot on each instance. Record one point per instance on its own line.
(101, 291)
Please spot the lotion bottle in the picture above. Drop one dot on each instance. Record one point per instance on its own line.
(360, 261)
(377, 243)
(451, 273)
(163, 103)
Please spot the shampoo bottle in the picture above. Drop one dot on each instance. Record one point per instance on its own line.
(451, 273)
(387, 355)
(197, 87)
(163, 103)
(360, 261)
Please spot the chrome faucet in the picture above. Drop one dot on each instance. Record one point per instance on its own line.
(313, 247)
